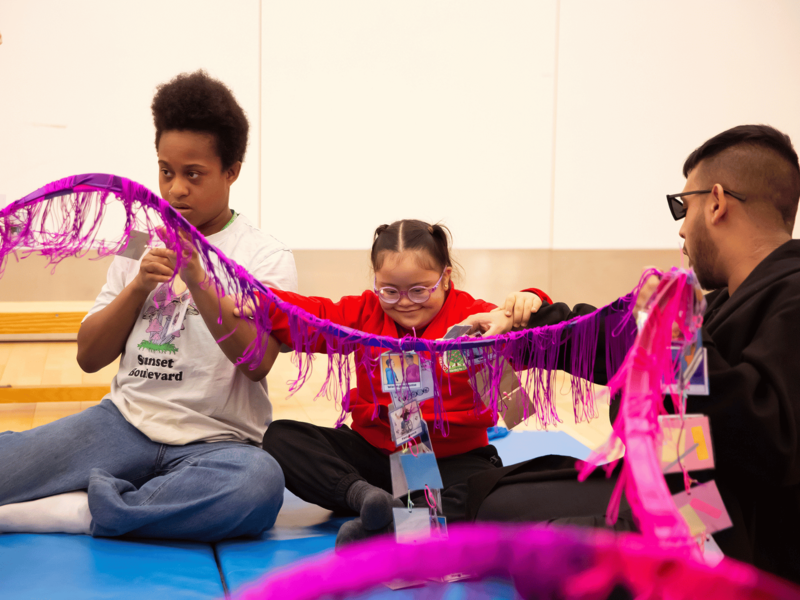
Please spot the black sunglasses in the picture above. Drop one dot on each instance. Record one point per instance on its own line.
(678, 208)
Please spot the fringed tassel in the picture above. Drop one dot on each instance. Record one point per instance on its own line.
(63, 219)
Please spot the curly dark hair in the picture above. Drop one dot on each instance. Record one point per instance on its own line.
(197, 102)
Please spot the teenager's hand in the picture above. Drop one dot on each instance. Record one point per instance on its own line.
(491, 323)
(157, 266)
(192, 271)
(519, 306)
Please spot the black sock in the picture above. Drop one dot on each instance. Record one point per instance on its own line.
(372, 503)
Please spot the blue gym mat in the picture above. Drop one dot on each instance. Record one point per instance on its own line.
(80, 567)
(303, 530)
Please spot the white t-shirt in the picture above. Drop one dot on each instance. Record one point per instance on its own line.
(178, 389)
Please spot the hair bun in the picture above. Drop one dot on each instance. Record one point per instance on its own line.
(380, 230)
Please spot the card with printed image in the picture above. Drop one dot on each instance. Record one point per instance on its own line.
(688, 440)
(420, 394)
(411, 526)
(703, 505)
(400, 371)
(405, 422)
(691, 367)
(137, 244)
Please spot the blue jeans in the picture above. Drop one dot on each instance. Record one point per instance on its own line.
(137, 487)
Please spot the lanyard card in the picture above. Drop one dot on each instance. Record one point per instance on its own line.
(421, 470)
(412, 472)
(411, 526)
(685, 442)
(400, 372)
(137, 243)
(176, 320)
(422, 393)
(703, 509)
(691, 367)
(405, 422)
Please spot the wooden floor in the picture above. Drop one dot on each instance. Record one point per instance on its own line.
(41, 366)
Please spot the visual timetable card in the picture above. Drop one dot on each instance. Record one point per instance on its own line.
(685, 442)
(691, 367)
(400, 371)
(137, 244)
(702, 507)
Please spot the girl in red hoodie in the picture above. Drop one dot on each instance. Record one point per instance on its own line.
(348, 468)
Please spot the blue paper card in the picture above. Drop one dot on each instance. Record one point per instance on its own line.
(421, 470)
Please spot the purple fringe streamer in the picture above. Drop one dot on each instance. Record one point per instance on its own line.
(63, 219)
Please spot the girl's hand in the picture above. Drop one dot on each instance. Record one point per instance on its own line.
(491, 323)
(247, 310)
(519, 306)
(157, 266)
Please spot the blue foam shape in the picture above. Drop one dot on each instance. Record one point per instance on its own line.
(520, 446)
(80, 567)
(421, 470)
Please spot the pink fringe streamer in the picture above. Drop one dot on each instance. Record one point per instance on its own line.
(647, 367)
(553, 562)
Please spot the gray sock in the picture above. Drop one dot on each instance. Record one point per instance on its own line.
(372, 503)
(353, 531)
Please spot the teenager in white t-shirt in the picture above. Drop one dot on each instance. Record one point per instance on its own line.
(173, 451)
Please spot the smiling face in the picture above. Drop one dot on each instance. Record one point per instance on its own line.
(403, 271)
(192, 180)
(698, 245)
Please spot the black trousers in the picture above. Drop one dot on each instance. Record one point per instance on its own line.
(321, 463)
(545, 490)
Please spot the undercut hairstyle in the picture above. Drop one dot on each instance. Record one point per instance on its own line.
(432, 241)
(199, 103)
(755, 160)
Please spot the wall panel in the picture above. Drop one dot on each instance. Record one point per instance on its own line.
(77, 79)
(376, 111)
(640, 85)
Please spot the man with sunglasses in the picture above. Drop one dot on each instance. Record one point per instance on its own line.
(739, 206)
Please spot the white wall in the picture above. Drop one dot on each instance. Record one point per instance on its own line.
(77, 79)
(641, 85)
(374, 110)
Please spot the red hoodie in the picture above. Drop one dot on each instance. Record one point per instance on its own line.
(466, 429)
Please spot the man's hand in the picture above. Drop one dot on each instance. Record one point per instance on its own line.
(645, 293)
(491, 323)
(519, 306)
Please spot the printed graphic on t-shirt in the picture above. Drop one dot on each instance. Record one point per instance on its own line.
(165, 307)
